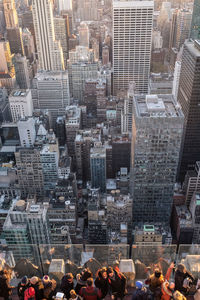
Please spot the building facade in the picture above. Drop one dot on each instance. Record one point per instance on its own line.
(132, 38)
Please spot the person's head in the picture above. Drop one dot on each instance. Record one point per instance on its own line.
(46, 280)
(24, 281)
(157, 273)
(69, 277)
(73, 294)
(110, 272)
(34, 280)
(139, 285)
(104, 273)
(86, 274)
(181, 268)
(90, 281)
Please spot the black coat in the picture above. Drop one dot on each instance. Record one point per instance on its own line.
(140, 294)
(66, 286)
(102, 284)
(21, 289)
(179, 278)
(5, 288)
(117, 285)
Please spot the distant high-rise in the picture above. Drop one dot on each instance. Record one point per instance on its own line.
(83, 35)
(189, 99)
(22, 72)
(49, 50)
(10, 13)
(61, 33)
(184, 18)
(132, 35)
(65, 5)
(50, 91)
(98, 166)
(156, 142)
(195, 26)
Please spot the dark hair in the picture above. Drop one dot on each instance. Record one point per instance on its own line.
(87, 274)
(110, 270)
(90, 281)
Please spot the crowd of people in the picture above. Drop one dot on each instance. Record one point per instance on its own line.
(108, 282)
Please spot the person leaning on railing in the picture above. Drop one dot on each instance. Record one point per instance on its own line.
(182, 279)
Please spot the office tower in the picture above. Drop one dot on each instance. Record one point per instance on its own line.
(101, 101)
(21, 71)
(27, 133)
(98, 166)
(5, 115)
(28, 42)
(80, 73)
(132, 35)
(188, 98)
(50, 91)
(90, 101)
(60, 130)
(195, 212)
(72, 125)
(121, 153)
(95, 47)
(173, 30)
(87, 10)
(7, 70)
(68, 16)
(177, 72)
(49, 157)
(62, 36)
(29, 172)
(105, 55)
(85, 139)
(83, 31)
(195, 25)
(49, 50)
(27, 224)
(184, 18)
(163, 22)
(10, 14)
(14, 36)
(65, 5)
(191, 184)
(156, 142)
(21, 104)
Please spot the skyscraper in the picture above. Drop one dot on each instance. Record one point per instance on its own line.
(49, 50)
(189, 99)
(10, 13)
(132, 35)
(156, 142)
(195, 26)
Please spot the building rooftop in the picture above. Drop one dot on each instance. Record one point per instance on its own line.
(159, 106)
(19, 93)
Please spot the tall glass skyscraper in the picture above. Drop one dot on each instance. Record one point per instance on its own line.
(195, 26)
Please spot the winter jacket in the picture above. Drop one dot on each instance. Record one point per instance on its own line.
(90, 293)
(140, 294)
(5, 287)
(66, 286)
(21, 289)
(39, 290)
(117, 284)
(179, 278)
(166, 292)
(49, 289)
(154, 282)
(102, 284)
(82, 280)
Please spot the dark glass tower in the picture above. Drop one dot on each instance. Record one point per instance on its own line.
(195, 25)
(189, 99)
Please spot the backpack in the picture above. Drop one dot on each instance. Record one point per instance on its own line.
(29, 294)
(85, 293)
